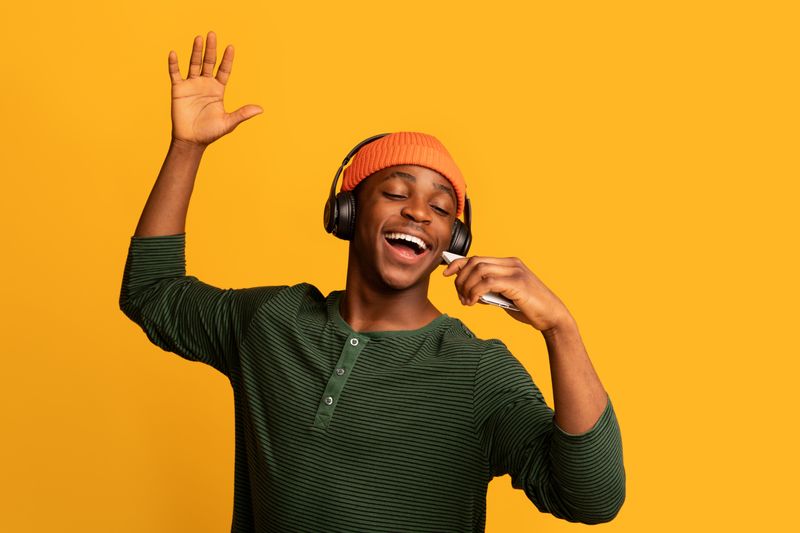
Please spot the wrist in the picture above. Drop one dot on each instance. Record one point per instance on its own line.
(564, 325)
(186, 147)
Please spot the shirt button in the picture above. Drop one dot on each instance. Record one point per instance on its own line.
(340, 371)
(354, 342)
(328, 400)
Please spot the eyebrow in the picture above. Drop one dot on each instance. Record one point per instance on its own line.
(409, 177)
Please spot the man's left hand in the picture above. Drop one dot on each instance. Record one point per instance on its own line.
(538, 306)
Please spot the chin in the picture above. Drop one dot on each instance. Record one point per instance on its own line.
(400, 277)
(401, 282)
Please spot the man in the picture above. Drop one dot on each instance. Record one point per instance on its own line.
(368, 409)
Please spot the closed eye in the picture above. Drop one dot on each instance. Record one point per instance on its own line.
(400, 196)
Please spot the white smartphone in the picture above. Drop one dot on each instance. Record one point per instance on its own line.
(490, 298)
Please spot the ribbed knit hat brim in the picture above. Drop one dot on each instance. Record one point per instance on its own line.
(405, 148)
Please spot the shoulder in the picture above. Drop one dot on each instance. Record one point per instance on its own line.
(461, 338)
(304, 291)
(297, 296)
(302, 303)
(494, 361)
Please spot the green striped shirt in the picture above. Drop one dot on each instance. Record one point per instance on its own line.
(346, 431)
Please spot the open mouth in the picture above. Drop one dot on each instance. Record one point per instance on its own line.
(405, 247)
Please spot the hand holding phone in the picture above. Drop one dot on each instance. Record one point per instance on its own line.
(490, 298)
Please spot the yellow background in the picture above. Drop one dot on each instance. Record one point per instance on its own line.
(640, 157)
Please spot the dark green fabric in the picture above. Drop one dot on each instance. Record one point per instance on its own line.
(415, 425)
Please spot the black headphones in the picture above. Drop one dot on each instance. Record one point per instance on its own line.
(340, 212)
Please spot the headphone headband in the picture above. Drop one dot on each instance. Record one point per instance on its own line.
(347, 159)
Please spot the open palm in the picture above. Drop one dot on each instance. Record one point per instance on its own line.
(198, 113)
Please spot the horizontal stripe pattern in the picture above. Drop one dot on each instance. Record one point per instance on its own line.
(338, 430)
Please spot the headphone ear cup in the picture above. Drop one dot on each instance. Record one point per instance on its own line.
(460, 240)
(346, 215)
(329, 215)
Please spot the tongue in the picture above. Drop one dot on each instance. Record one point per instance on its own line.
(405, 249)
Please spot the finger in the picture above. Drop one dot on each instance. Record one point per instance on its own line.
(455, 266)
(224, 70)
(197, 56)
(496, 284)
(242, 114)
(210, 58)
(458, 264)
(481, 272)
(466, 269)
(174, 68)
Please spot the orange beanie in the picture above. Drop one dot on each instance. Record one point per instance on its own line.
(405, 148)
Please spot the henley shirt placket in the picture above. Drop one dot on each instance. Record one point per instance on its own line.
(337, 380)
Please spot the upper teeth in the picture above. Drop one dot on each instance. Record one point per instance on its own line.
(419, 242)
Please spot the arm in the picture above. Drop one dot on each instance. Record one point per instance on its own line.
(198, 119)
(578, 394)
(579, 478)
(573, 470)
(180, 313)
(165, 211)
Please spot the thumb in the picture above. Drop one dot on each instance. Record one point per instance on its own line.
(243, 113)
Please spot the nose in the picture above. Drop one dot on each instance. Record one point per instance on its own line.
(417, 209)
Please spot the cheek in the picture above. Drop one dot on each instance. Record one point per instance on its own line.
(445, 235)
(363, 229)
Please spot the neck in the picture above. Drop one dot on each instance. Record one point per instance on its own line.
(371, 305)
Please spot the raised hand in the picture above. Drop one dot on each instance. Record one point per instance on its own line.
(198, 114)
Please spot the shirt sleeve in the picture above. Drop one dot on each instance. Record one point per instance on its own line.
(579, 478)
(180, 313)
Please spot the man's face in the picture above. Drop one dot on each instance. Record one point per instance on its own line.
(408, 199)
